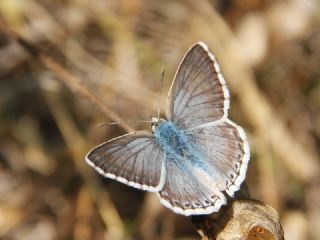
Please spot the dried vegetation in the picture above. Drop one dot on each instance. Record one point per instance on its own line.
(101, 61)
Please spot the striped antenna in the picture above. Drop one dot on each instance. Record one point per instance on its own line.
(121, 122)
(160, 92)
(141, 121)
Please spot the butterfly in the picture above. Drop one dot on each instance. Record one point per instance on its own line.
(194, 157)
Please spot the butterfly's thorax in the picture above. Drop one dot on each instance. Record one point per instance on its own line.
(174, 141)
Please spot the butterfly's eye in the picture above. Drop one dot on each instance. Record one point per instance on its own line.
(154, 122)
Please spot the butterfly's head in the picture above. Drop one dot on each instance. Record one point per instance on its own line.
(156, 122)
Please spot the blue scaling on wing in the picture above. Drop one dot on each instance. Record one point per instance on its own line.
(225, 149)
(188, 188)
(175, 142)
(135, 159)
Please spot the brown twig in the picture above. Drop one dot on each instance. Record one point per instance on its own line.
(73, 83)
(243, 219)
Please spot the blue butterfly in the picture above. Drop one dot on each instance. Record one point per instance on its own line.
(193, 158)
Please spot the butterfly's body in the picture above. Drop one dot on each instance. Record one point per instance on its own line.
(175, 143)
(196, 156)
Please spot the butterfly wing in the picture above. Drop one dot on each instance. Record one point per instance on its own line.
(198, 93)
(225, 150)
(134, 159)
(187, 190)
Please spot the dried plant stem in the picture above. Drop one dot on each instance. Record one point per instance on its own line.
(74, 84)
(69, 79)
(73, 138)
(76, 144)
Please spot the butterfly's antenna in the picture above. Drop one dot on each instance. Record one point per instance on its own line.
(121, 122)
(160, 92)
(140, 121)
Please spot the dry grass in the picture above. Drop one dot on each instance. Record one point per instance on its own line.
(103, 63)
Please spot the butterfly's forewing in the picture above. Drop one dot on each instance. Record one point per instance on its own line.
(187, 192)
(134, 159)
(198, 93)
(225, 150)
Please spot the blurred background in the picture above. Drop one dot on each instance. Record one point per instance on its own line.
(105, 65)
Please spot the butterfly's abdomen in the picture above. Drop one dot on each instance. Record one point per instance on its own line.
(174, 141)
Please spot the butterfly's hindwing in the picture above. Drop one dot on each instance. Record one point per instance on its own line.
(185, 191)
(135, 159)
(198, 93)
(225, 150)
